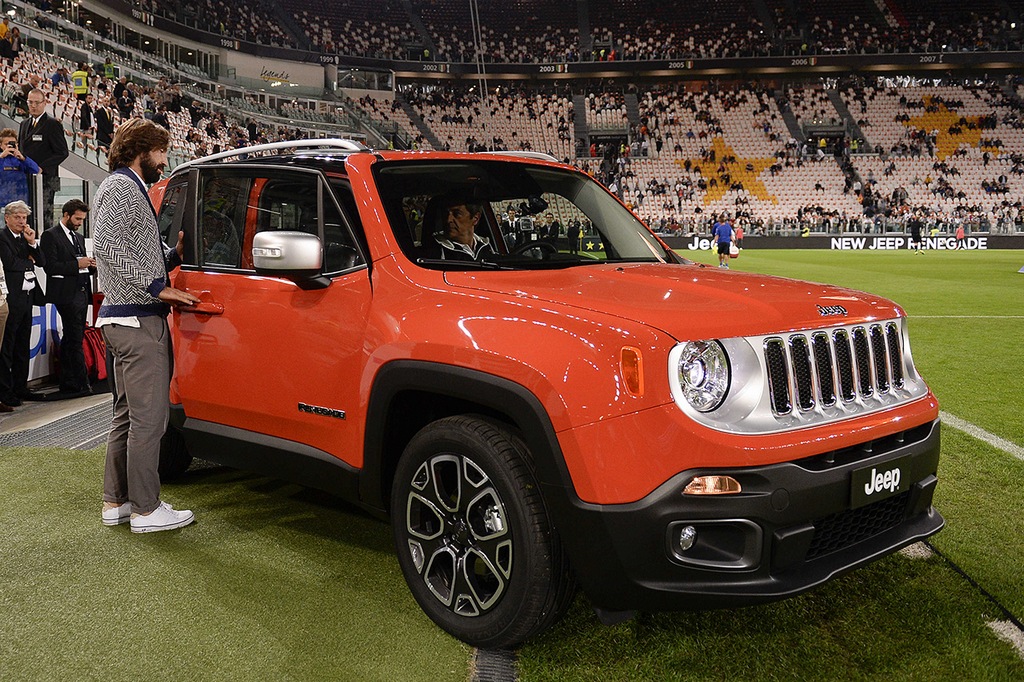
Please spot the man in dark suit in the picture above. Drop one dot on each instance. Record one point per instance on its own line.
(20, 253)
(104, 126)
(69, 289)
(41, 138)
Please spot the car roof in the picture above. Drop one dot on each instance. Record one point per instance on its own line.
(330, 155)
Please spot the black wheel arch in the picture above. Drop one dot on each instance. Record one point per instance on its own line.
(409, 394)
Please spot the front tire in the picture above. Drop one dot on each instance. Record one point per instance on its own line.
(473, 537)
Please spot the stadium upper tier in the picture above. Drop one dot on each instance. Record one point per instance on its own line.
(547, 31)
(861, 152)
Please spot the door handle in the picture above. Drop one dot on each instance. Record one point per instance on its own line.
(203, 308)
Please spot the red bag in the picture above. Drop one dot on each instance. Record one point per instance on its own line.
(95, 350)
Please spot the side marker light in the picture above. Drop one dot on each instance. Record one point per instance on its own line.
(631, 367)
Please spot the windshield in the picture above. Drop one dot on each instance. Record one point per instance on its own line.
(503, 215)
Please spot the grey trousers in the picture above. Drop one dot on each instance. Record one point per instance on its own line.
(142, 377)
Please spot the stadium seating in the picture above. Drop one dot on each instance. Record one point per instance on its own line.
(688, 152)
(461, 121)
(362, 28)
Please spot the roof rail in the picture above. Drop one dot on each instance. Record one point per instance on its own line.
(525, 154)
(343, 145)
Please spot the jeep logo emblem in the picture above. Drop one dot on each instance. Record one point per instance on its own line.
(827, 310)
(890, 481)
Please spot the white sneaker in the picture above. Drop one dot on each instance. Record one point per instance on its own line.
(163, 517)
(117, 515)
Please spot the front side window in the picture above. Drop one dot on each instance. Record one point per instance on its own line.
(289, 203)
(236, 203)
(508, 215)
(222, 215)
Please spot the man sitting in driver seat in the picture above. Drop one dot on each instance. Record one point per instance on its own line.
(458, 239)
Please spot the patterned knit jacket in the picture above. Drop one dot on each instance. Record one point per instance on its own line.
(131, 260)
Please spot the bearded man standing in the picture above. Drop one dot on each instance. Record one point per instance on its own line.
(133, 265)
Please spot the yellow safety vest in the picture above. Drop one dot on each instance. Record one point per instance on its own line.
(80, 82)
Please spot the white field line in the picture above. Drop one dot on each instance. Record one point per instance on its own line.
(1003, 629)
(981, 434)
(918, 550)
(967, 317)
(1008, 632)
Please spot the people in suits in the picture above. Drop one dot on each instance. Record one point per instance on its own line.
(69, 288)
(41, 138)
(20, 254)
(86, 122)
(104, 125)
(4, 407)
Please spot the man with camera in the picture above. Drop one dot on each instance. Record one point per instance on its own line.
(15, 169)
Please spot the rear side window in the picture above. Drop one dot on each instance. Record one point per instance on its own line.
(170, 213)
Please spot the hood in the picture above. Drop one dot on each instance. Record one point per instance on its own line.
(687, 301)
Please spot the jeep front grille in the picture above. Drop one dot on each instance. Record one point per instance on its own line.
(809, 377)
(808, 369)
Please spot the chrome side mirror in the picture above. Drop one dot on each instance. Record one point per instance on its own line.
(297, 256)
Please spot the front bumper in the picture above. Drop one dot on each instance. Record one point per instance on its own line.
(794, 526)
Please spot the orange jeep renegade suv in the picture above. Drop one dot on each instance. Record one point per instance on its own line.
(492, 352)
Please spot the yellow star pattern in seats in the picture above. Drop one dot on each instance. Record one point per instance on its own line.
(737, 172)
(941, 120)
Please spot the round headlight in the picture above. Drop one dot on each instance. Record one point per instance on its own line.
(704, 374)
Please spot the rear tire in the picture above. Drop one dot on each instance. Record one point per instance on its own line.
(473, 536)
(175, 458)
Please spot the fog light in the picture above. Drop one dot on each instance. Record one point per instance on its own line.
(687, 536)
(713, 485)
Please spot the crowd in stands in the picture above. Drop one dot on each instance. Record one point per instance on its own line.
(951, 152)
(547, 31)
(630, 30)
(358, 28)
(252, 21)
(708, 152)
(196, 129)
(388, 113)
(529, 31)
(511, 118)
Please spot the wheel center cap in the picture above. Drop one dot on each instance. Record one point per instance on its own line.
(460, 533)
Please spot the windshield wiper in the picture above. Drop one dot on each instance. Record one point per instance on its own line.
(468, 264)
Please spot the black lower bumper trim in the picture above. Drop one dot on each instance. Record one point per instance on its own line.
(794, 526)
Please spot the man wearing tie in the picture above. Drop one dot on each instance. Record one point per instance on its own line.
(41, 138)
(69, 289)
(20, 253)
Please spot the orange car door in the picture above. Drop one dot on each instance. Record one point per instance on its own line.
(262, 354)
